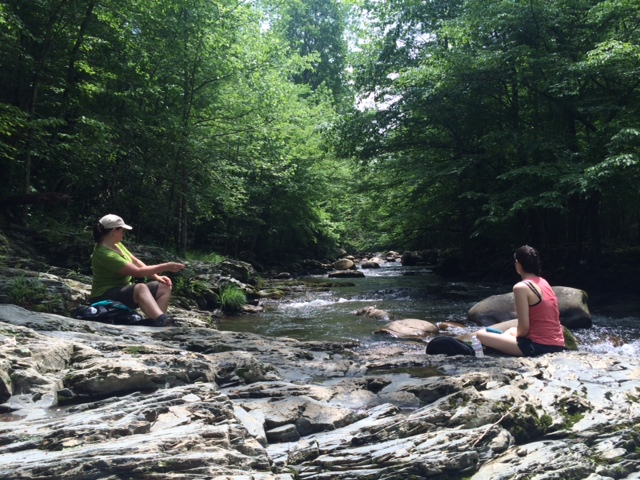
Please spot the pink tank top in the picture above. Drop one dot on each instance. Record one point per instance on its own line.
(544, 316)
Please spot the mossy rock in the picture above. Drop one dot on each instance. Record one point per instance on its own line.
(569, 340)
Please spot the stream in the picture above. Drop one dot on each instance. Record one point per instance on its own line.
(410, 292)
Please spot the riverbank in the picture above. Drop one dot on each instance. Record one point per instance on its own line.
(84, 400)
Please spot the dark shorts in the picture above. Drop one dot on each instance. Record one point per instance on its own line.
(530, 348)
(125, 294)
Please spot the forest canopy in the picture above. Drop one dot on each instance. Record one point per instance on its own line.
(295, 127)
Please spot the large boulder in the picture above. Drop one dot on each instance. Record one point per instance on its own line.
(572, 302)
(344, 264)
(369, 264)
(410, 259)
(409, 328)
(242, 271)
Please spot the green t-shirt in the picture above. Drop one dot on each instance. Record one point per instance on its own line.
(106, 264)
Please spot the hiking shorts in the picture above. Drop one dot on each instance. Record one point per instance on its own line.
(125, 294)
(530, 348)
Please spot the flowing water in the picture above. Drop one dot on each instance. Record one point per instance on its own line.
(405, 292)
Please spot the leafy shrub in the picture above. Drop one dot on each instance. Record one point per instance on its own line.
(26, 292)
(212, 257)
(232, 298)
(188, 285)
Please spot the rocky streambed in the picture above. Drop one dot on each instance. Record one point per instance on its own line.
(85, 400)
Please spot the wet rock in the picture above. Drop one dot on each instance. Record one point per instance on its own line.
(409, 328)
(344, 264)
(373, 312)
(346, 274)
(445, 326)
(410, 258)
(100, 401)
(572, 303)
(371, 263)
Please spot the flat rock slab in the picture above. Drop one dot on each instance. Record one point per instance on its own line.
(96, 401)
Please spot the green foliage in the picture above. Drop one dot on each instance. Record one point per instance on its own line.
(528, 425)
(232, 298)
(213, 258)
(185, 119)
(29, 293)
(315, 29)
(218, 125)
(189, 286)
(494, 124)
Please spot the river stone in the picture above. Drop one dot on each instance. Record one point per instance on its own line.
(409, 328)
(343, 264)
(369, 264)
(410, 258)
(572, 303)
(242, 271)
(346, 274)
(373, 312)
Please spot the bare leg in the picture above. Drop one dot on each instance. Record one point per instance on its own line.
(503, 342)
(142, 296)
(162, 297)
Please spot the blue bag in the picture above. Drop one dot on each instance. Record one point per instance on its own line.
(108, 311)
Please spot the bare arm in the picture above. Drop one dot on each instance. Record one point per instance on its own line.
(138, 269)
(521, 297)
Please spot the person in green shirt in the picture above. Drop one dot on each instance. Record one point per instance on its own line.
(114, 269)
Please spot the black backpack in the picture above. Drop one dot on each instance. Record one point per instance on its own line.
(108, 311)
(447, 345)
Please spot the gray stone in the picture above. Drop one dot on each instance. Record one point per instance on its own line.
(83, 400)
(346, 274)
(343, 264)
(283, 433)
(409, 328)
(572, 303)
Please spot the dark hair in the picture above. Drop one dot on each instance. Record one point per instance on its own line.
(99, 232)
(529, 259)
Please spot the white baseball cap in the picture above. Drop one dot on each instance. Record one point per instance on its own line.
(113, 221)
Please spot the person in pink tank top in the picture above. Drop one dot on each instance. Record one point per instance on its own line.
(539, 330)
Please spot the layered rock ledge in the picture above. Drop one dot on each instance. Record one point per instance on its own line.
(92, 401)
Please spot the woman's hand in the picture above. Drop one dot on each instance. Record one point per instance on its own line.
(174, 267)
(166, 280)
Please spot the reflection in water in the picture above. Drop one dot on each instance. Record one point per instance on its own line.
(404, 292)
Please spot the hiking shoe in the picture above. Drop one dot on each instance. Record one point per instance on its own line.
(163, 320)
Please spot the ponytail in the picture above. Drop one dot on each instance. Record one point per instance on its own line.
(99, 232)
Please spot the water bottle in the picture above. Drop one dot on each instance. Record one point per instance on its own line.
(477, 347)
